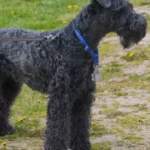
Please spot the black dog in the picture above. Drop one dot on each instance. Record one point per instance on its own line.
(62, 67)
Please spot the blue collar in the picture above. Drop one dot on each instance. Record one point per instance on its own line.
(87, 48)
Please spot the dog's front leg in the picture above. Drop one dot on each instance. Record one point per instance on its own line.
(59, 111)
(58, 124)
(80, 119)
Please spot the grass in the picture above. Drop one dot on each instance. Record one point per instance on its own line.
(97, 130)
(138, 56)
(111, 70)
(29, 111)
(133, 139)
(140, 2)
(132, 121)
(37, 14)
(101, 146)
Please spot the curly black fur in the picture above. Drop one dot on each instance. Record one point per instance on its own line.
(62, 69)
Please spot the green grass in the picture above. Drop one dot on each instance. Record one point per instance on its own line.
(98, 130)
(133, 139)
(130, 121)
(37, 14)
(101, 146)
(138, 56)
(111, 70)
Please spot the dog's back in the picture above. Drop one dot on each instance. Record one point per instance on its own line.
(25, 58)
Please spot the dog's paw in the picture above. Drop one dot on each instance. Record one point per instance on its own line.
(6, 130)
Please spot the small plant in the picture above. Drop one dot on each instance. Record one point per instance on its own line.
(134, 77)
(101, 146)
(144, 2)
(131, 56)
(97, 129)
(113, 69)
(133, 138)
(122, 93)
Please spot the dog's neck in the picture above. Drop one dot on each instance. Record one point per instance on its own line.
(89, 24)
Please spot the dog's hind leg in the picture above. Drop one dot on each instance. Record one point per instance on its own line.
(9, 89)
(81, 122)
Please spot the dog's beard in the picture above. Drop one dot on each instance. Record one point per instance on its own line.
(126, 43)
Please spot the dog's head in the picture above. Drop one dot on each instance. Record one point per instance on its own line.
(121, 18)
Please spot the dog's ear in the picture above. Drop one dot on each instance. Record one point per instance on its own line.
(103, 3)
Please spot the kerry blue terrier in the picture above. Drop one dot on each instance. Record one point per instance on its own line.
(62, 67)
